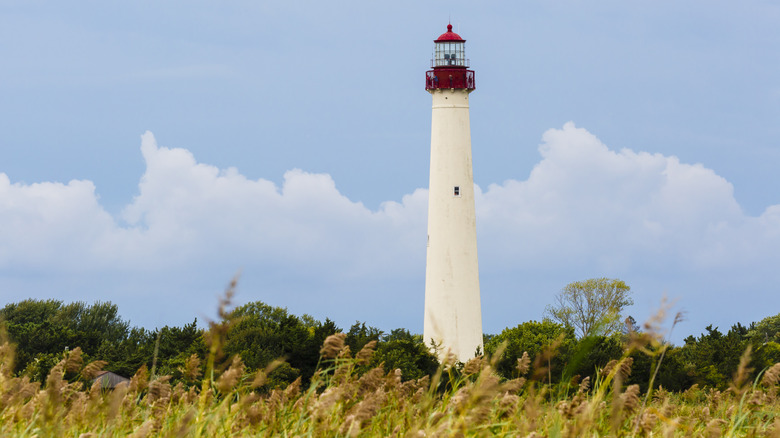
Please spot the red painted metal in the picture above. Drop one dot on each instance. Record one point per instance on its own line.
(450, 76)
(448, 36)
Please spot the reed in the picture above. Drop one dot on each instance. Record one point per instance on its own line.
(347, 398)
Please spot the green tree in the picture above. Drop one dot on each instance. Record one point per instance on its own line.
(409, 355)
(43, 329)
(532, 337)
(712, 358)
(766, 330)
(263, 333)
(592, 306)
(32, 325)
(360, 334)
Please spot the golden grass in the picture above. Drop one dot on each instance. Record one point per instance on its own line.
(345, 399)
(342, 402)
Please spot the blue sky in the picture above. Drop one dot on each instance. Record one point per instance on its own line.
(290, 140)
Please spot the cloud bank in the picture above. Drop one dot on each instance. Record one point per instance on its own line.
(585, 210)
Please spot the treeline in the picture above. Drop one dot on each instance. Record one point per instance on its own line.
(709, 360)
(44, 330)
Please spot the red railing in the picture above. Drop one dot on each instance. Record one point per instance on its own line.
(443, 78)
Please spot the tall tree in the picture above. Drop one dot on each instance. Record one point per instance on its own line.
(592, 306)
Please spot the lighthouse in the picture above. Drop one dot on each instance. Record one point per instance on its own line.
(453, 316)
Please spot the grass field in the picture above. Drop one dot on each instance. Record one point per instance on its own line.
(346, 398)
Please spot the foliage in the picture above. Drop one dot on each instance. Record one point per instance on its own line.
(591, 307)
(344, 401)
(766, 330)
(534, 338)
(410, 356)
(359, 335)
(712, 358)
(42, 328)
(261, 334)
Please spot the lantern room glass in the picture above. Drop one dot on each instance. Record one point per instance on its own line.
(449, 53)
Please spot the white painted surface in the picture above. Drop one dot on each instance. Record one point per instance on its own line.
(453, 315)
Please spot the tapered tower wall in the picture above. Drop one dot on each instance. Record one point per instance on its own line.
(453, 315)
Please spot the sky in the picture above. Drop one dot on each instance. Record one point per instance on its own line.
(151, 151)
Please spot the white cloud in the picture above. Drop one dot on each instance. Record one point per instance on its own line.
(195, 213)
(586, 204)
(584, 210)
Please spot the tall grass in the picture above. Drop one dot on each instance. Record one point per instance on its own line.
(347, 398)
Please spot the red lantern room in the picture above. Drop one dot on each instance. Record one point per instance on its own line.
(450, 66)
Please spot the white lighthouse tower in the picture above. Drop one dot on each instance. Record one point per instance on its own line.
(453, 316)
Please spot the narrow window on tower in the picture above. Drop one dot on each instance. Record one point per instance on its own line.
(456, 191)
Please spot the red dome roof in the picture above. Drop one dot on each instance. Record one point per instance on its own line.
(448, 36)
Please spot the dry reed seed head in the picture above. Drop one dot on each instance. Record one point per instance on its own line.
(228, 380)
(345, 353)
(7, 355)
(660, 395)
(513, 386)
(363, 411)
(191, 369)
(326, 401)
(669, 427)
(774, 429)
(292, 390)
(96, 390)
(714, 428)
(262, 375)
(227, 299)
(115, 400)
(159, 389)
(435, 417)
(648, 422)
(192, 395)
(393, 380)
(564, 408)
(260, 378)
(365, 353)
(640, 341)
(742, 373)
(473, 366)
(625, 368)
(54, 382)
(342, 373)
(140, 379)
(584, 385)
(449, 360)
(757, 398)
(508, 404)
(178, 392)
(185, 424)
(459, 401)
(371, 380)
(653, 325)
(332, 345)
(630, 398)
(692, 394)
(92, 369)
(74, 360)
(771, 376)
(144, 430)
(608, 367)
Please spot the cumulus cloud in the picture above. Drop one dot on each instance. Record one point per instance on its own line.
(586, 204)
(584, 208)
